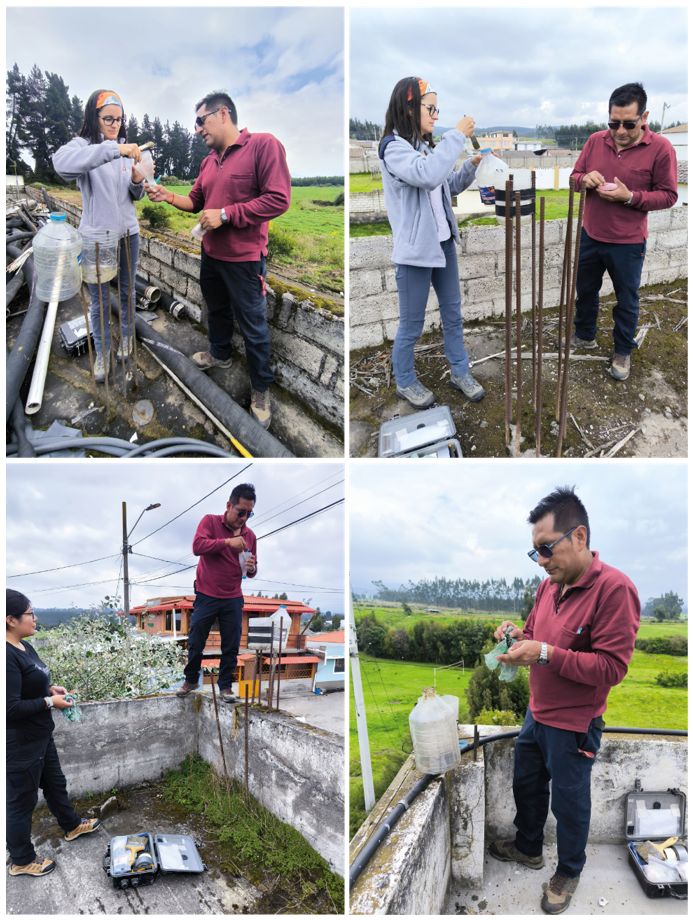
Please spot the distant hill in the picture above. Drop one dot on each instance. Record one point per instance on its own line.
(521, 131)
(54, 616)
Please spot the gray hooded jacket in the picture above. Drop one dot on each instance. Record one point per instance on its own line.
(409, 175)
(105, 180)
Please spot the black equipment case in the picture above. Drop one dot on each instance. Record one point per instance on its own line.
(655, 816)
(137, 859)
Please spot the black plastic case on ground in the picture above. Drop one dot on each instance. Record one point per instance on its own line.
(165, 853)
(643, 808)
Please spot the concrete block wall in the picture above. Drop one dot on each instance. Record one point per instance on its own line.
(307, 341)
(374, 310)
(295, 770)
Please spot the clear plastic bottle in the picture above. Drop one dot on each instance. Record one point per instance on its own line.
(145, 167)
(243, 557)
(197, 232)
(491, 174)
(433, 728)
(57, 249)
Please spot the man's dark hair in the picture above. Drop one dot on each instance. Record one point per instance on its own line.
(567, 509)
(627, 95)
(91, 129)
(244, 490)
(404, 112)
(216, 100)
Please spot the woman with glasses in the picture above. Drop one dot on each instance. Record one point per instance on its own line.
(32, 759)
(419, 178)
(103, 165)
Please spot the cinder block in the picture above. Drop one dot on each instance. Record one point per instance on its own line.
(659, 220)
(671, 239)
(303, 354)
(325, 329)
(370, 252)
(483, 239)
(369, 335)
(331, 369)
(187, 262)
(467, 822)
(478, 289)
(678, 258)
(477, 265)
(161, 251)
(366, 282)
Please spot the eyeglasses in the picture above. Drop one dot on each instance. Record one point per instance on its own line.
(243, 512)
(201, 119)
(431, 109)
(111, 119)
(628, 125)
(546, 549)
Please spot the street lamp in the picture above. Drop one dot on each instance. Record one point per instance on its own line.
(126, 550)
(664, 108)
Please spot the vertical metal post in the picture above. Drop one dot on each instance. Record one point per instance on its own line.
(540, 327)
(131, 302)
(247, 714)
(126, 549)
(270, 675)
(534, 289)
(518, 321)
(123, 373)
(216, 714)
(565, 283)
(279, 663)
(105, 355)
(508, 305)
(258, 675)
(360, 711)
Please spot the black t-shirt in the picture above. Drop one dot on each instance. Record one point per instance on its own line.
(28, 684)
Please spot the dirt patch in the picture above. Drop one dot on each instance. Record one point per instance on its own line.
(602, 411)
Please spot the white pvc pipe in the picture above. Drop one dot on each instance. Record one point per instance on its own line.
(38, 379)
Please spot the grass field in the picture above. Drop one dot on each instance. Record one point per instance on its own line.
(391, 689)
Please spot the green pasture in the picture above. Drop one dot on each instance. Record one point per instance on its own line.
(391, 689)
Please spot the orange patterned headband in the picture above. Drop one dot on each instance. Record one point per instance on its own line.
(424, 88)
(108, 97)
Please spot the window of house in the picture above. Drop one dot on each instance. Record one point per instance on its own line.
(338, 665)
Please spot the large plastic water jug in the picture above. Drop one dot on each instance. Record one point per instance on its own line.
(282, 621)
(491, 173)
(99, 255)
(57, 248)
(433, 727)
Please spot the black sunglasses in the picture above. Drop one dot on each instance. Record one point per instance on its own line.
(243, 512)
(201, 119)
(546, 549)
(628, 125)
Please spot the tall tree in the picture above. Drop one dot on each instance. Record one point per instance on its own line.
(133, 131)
(34, 125)
(198, 151)
(146, 131)
(76, 116)
(15, 106)
(178, 149)
(56, 118)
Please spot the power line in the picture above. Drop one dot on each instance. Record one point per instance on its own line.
(57, 568)
(190, 507)
(298, 520)
(302, 502)
(279, 509)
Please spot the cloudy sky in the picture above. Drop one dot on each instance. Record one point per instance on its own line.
(469, 519)
(522, 66)
(73, 514)
(282, 67)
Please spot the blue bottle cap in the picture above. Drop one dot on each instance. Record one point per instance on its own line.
(58, 217)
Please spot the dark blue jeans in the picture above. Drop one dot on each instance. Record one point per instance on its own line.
(34, 765)
(229, 612)
(236, 290)
(623, 262)
(543, 753)
(413, 286)
(127, 297)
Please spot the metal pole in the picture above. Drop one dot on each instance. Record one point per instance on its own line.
(569, 323)
(85, 307)
(540, 326)
(258, 675)
(565, 282)
(534, 288)
(279, 663)
(270, 683)
(216, 713)
(247, 712)
(518, 321)
(106, 355)
(126, 548)
(360, 710)
(508, 305)
(120, 330)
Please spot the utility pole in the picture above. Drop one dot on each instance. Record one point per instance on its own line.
(664, 108)
(126, 550)
(360, 710)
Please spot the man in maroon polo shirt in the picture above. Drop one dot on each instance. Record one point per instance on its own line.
(219, 541)
(577, 643)
(243, 184)
(627, 171)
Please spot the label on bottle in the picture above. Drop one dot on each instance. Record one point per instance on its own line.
(488, 194)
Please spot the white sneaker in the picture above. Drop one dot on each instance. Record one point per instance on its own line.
(125, 349)
(101, 367)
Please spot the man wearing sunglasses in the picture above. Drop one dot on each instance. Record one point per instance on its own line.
(626, 171)
(577, 642)
(242, 185)
(219, 540)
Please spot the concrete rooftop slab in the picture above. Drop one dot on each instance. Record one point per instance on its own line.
(512, 889)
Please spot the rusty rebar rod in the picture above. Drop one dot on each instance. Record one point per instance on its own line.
(569, 323)
(85, 308)
(258, 674)
(270, 674)
(518, 321)
(279, 663)
(123, 368)
(540, 326)
(534, 288)
(565, 285)
(245, 732)
(216, 714)
(105, 355)
(508, 305)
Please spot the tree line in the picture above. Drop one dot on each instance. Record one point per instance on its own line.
(491, 595)
(427, 640)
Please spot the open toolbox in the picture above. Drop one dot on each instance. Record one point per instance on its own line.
(137, 859)
(429, 433)
(658, 817)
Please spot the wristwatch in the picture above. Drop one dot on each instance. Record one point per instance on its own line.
(630, 201)
(224, 216)
(49, 702)
(543, 654)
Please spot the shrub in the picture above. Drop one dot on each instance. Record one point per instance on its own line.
(668, 679)
(281, 243)
(487, 692)
(158, 217)
(170, 180)
(664, 645)
(497, 717)
(102, 659)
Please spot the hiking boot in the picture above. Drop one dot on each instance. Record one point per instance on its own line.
(206, 360)
(86, 826)
(620, 367)
(557, 893)
(125, 349)
(227, 696)
(260, 407)
(101, 366)
(185, 689)
(506, 851)
(417, 395)
(35, 869)
(577, 342)
(471, 388)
